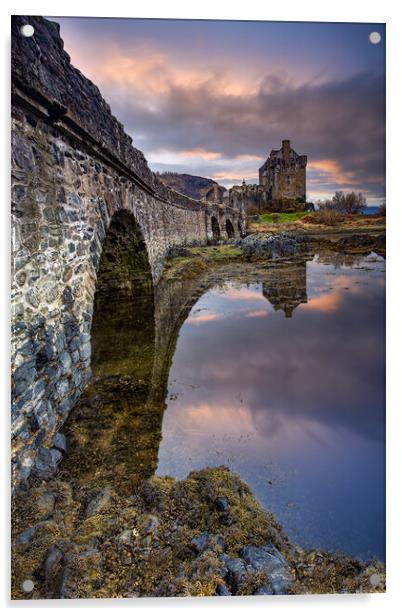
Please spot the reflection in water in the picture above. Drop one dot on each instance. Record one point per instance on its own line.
(286, 287)
(296, 406)
(115, 430)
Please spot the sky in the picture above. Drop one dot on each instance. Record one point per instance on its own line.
(213, 98)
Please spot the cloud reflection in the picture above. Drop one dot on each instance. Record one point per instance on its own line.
(321, 366)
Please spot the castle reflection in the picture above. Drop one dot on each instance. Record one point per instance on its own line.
(286, 287)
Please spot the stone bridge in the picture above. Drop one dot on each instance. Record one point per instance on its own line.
(83, 200)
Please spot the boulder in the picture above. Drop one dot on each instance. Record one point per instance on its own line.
(270, 246)
(100, 502)
(46, 462)
(270, 561)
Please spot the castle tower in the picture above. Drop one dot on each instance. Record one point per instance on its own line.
(283, 175)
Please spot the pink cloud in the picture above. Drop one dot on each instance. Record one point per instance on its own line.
(257, 313)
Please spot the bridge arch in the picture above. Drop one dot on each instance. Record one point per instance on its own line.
(124, 266)
(123, 306)
(229, 229)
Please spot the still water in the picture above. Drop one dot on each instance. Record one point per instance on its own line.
(283, 381)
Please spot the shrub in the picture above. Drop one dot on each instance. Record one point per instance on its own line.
(382, 209)
(328, 215)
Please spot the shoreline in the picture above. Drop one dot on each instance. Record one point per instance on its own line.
(205, 535)
(190, 262)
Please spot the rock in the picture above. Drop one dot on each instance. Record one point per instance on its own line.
(82, 575)
(46, 462)
(177, 251)
(27, 536)
(60, 442)
(150, 525)
(85, 351)
(264, 590)
(269, 560)
(53, 563)
(100, 502)
(236, 572)
(62, 387)
(201, 542)
(65, 362)
(127, 537)
(148, 530)
(272, 246)
(361, 242)
(26, 464)
(222, 503)
(222, 591)
(68, 296)
(45, 504)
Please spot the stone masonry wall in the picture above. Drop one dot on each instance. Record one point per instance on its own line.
(73, 168)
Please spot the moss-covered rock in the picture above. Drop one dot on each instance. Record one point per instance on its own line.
(201, 536)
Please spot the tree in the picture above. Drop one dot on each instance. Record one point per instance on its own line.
(349, 203)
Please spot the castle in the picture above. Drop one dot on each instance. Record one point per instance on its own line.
(282, 184)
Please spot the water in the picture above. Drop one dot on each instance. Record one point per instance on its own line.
(371, 210)
(283, 381)
(274, 370)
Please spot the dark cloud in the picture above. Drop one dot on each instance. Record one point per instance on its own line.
(341, 121)
(238, 89)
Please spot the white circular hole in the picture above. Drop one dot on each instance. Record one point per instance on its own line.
(375, 579)
(27, 30)
(375, 38)
(28, 585)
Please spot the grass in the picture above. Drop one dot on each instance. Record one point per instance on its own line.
(310, 221)
(199, 260)
(217, 253)
(283, 217)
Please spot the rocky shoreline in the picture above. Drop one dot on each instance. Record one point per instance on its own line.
(190, 262)
(287, 244)
(202, 536)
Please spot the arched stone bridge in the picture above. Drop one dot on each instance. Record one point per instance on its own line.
(81, 192)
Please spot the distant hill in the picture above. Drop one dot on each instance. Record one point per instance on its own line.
(193, 185)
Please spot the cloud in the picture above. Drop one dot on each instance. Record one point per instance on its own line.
(244, 294)
(336, 124)
(257, 313)
(203, 318)
(211, 119)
